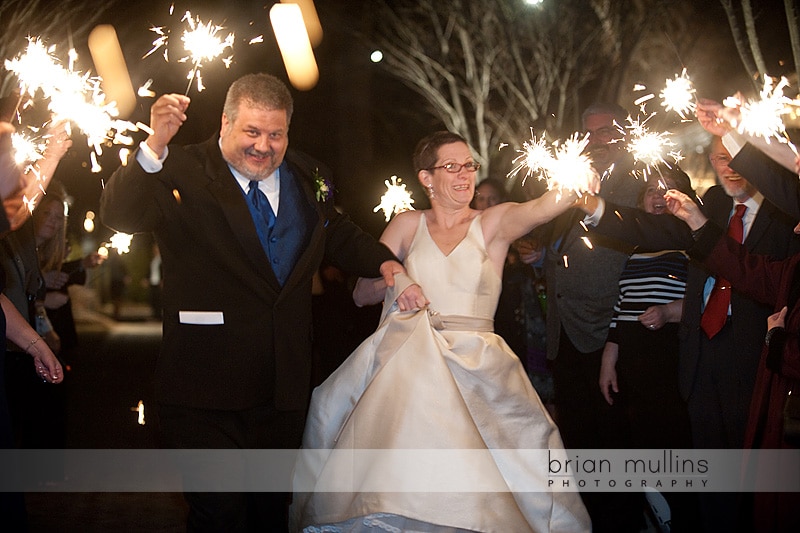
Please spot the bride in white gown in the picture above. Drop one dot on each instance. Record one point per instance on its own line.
(435, 378)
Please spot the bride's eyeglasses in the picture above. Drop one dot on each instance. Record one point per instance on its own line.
(471, 166)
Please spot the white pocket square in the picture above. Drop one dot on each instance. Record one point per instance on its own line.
(204, 318)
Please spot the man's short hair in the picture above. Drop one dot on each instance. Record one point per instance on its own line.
(619, 113)
(260, 90)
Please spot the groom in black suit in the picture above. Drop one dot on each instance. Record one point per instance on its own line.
(242, 224)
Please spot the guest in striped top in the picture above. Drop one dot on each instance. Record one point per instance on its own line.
(639, 369)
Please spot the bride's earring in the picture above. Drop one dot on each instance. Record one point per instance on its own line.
(429, 190)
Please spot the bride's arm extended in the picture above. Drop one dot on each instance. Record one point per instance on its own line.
(505, 223)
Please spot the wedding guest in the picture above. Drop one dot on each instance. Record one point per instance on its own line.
(15, 185)
(720, 338)
(639, 369)
(582, 288)
(777, 284)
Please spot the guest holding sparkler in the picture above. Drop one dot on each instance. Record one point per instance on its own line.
(720, 338)
(639, 369)
(775, 283)
(771, 165)
(582, 288)
(14, 185)
(434, 375)
(242, 223)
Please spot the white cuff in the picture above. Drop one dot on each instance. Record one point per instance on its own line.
(594, 218)
(149, 160)
(733, 142)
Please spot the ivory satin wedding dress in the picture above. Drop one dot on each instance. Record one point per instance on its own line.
(461, 436)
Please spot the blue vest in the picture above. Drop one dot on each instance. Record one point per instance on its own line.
(293, 226)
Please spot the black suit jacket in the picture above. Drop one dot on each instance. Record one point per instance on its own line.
(213, 263)
(775, 182)
(771, 234)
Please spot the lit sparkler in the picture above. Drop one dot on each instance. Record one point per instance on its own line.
(763, 117)
(200, 41)
(121, 242)
(72, 95)
(679, 95)
(650, 147)
(36, 68)
(27, 149)
(395, 200)
(563, 164)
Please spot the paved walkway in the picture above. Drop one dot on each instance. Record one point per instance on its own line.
(109, 375)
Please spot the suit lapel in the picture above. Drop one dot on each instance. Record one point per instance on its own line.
(226, 190)
(764, 217)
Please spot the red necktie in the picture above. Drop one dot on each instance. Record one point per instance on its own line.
(716, 312)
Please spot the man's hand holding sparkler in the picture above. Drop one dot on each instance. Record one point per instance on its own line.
(683, 207)
(167, 115)
(713, 117)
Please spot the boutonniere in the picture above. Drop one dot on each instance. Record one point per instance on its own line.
(322, 187)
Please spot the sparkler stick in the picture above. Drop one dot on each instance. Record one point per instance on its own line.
(395, 200)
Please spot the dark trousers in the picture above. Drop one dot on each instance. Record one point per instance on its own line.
(719, 407)
(256, 428)
(12, 504)
(586, 421)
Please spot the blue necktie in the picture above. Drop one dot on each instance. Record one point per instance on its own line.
(263, 215)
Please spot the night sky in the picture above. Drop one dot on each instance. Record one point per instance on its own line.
(359, 120)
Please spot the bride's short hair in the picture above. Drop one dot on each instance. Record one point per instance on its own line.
(427, 149)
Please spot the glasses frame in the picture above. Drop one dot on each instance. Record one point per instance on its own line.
(455, 168)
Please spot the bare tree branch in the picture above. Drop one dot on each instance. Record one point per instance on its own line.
(752, 38)
(794, 35)
(739, 40)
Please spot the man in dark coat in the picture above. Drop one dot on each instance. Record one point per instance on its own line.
(235, 365)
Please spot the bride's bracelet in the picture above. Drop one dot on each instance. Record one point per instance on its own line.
(30, 344)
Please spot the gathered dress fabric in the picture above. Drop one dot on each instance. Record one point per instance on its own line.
(426, 382)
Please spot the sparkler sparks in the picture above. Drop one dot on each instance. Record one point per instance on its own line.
(27, 149)
(36, 68)
(71, 95)
(563, 164)
(395, 200)
(650, 147)
(679, 95)
(201, 43)
(121, 242)
(763, 117)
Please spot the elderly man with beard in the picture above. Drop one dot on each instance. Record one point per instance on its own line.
(719, 351)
